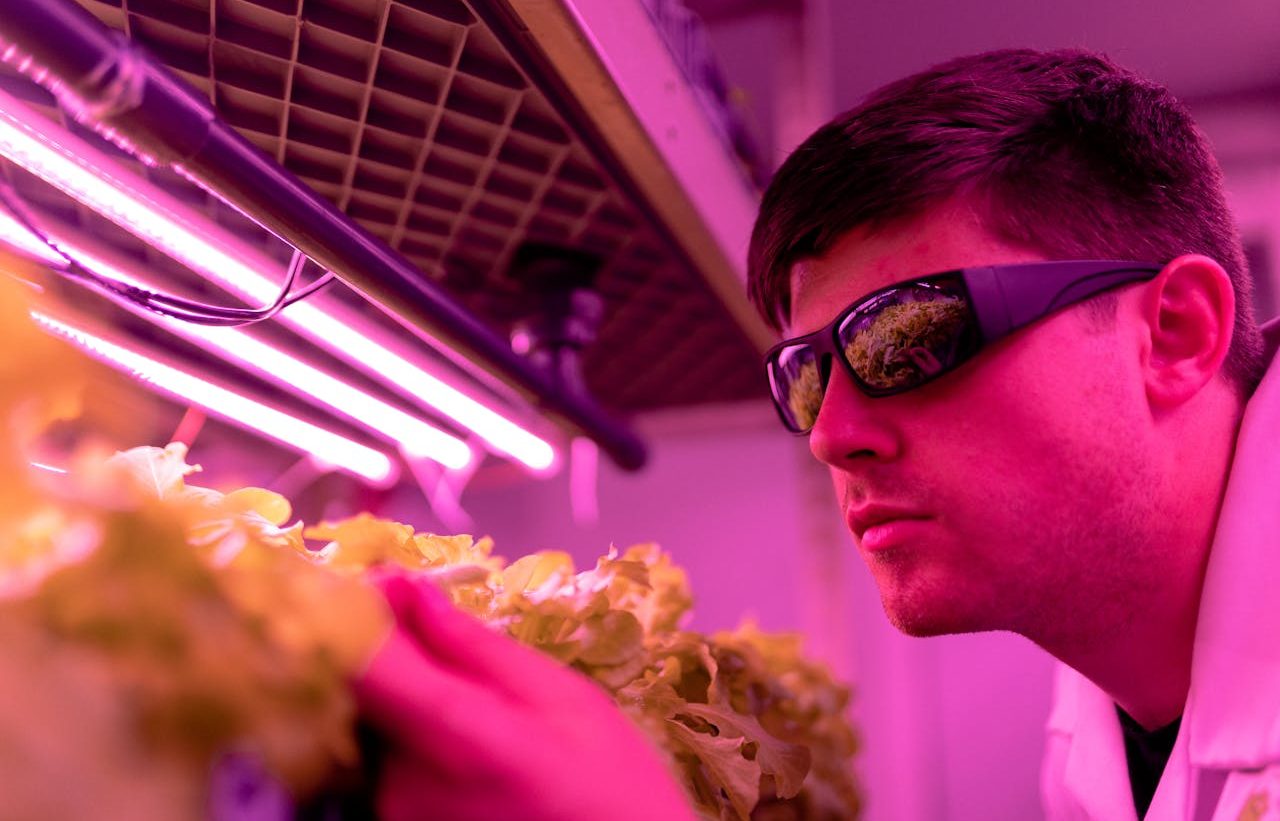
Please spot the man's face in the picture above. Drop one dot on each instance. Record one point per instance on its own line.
(1014, 488)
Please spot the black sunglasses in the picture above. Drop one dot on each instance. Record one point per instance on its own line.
(902, 336)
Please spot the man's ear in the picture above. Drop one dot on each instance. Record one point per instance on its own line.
(1189, 311)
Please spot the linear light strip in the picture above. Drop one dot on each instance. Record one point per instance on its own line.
(12, 232)
(112, 195)
(296, 434)
(415, 436)
(499, 432)
(412, 434)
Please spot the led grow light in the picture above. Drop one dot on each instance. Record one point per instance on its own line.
(415, 436)
(296, 434)
(13, 233)
(88, 175)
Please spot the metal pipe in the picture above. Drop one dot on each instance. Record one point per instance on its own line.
(99, 76)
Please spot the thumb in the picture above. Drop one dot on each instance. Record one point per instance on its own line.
(464, 644)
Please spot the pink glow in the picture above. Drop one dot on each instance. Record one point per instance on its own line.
(415, 436)
(584, 470)
(412, 434)
(114, 191)
(12, 232)
(497, 431)
(294, 433)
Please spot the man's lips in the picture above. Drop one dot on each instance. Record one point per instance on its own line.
(878, 526)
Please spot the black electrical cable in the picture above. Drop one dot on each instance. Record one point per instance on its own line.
(166, 304)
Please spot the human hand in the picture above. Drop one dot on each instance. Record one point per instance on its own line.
(480, 727)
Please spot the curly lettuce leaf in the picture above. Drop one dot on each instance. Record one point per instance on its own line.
(787, 763)
(721, 762)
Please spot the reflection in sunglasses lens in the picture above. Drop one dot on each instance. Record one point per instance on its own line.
(907, 343)
(804, 395)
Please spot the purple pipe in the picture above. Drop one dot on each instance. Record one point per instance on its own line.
(97, 74)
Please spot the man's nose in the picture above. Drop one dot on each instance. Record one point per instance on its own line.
(851, 426)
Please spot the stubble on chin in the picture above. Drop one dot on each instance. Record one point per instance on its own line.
(919, 607)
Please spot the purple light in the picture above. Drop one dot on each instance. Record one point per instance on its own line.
(112, 189)
(296, 434)
(13, 233)
(415, 436)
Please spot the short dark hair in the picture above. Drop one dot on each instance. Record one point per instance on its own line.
(1062, 152)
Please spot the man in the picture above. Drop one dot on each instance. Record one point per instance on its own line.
(1063, 474)
(1063, 435)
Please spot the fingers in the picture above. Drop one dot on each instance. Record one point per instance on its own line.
(426, 709)
(398, 683)
(464, 645)
(481, 727)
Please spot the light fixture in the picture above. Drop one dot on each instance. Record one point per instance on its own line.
(13, 233)
(414, 436)
(112, 189)
(323, 445)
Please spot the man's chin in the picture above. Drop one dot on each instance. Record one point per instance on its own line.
(919, 622)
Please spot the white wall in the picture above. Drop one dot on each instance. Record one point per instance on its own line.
(1245, 132)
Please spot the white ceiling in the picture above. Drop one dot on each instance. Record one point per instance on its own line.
(1198, 48)
(1204, 50)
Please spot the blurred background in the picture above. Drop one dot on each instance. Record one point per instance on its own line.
(572, 183)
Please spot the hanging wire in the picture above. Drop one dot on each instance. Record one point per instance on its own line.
(199, 313)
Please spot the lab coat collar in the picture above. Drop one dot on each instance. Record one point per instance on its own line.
(1094, 773)
(1232, 718)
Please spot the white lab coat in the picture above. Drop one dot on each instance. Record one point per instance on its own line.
(1225, 764)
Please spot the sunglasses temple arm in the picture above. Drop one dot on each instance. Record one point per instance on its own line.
(990, 307)
(1018, 295)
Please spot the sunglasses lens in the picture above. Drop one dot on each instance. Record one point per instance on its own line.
(796, 382)
(899, 339)
(909, 336)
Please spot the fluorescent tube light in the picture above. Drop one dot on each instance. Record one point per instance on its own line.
(108, 187)
(415, 436)
(13, 233)
(496, 430)
(296, 434)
